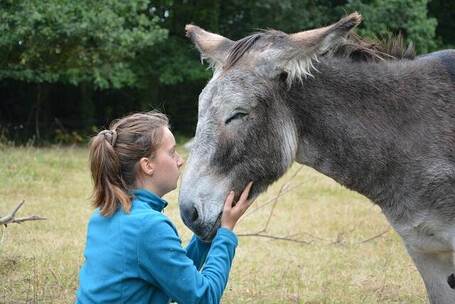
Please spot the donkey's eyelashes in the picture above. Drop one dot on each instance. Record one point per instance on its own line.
(235, 116)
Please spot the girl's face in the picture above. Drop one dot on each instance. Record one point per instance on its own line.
(166, 165)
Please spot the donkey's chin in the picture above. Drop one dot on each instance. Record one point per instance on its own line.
(208, 237)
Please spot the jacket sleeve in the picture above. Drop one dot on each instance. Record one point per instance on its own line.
(163, 262)
(197, 250)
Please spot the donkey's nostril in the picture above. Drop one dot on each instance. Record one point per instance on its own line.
(451, 281)
(194, 215)
(189, 214)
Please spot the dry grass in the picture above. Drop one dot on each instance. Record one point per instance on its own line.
(39, 261)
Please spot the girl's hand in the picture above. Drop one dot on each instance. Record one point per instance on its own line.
(231, 214)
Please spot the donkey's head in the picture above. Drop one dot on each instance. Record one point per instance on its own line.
(245, 130)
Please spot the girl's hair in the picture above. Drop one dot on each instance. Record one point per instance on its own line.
(114, 156)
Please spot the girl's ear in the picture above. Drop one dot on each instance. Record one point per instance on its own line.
(146, 165)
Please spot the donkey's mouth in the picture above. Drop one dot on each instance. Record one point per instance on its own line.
(208, 237)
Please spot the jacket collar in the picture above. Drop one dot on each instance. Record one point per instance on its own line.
(150, 198)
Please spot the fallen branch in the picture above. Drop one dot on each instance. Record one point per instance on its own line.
(273, 237)
(11, 218)
(374, 237)
(292, 238)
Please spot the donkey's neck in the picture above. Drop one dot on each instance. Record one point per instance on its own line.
(359, 124)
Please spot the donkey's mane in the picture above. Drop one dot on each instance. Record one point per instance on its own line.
(363, 49)
(240, 47)
(353, 47)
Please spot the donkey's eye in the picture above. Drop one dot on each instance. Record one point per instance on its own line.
(237, 115)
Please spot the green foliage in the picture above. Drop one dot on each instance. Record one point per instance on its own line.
(63, 137)
(172, 62)
(381, 17)
(408, 17)
(75, 41)
(444, 12)
(4, 141)
(180, 65)
(286, 15)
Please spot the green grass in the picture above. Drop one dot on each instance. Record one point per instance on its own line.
(39, 261)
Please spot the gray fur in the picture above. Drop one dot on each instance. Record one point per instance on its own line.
(384, 128)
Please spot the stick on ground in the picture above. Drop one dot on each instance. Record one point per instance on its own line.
(11, 218)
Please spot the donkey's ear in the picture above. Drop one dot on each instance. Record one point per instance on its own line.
(211, 46)
(320, 40)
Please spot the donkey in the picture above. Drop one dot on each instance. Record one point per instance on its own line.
(378, 124)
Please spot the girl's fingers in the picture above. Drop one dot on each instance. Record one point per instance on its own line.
(229, 200)
(246, 192)
(243, 200)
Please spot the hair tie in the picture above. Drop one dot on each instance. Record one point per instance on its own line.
(110, 136)
(114, 137)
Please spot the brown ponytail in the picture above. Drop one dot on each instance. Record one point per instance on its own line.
(114, 155)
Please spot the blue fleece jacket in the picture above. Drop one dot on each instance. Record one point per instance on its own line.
(138, 258)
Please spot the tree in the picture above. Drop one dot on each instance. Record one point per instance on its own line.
(75, 41)
(408, 17)
(444, 12)
(92, 44)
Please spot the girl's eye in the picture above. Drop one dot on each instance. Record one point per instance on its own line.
(237, 115)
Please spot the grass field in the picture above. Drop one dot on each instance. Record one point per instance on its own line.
(39, 261)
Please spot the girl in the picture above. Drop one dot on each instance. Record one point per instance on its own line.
(133, 252)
